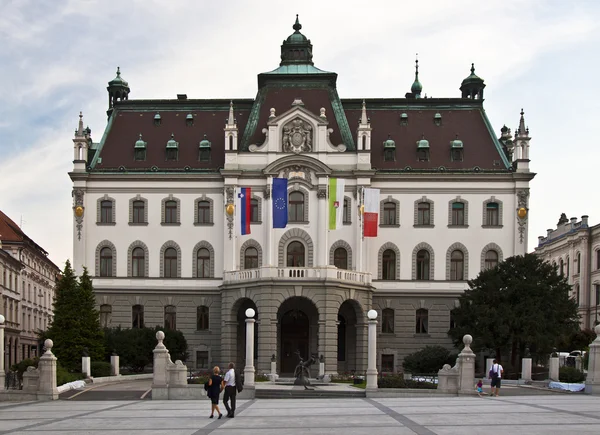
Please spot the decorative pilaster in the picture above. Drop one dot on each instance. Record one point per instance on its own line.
(522, 216)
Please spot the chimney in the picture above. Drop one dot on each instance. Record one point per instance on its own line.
(540, 240)
(573, 221)
(182, 96)
(548, 232)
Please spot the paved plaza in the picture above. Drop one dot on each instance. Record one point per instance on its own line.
(541, 414)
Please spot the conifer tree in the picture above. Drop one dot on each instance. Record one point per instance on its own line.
(76, 325)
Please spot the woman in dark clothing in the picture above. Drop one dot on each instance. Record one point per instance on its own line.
(214, 390)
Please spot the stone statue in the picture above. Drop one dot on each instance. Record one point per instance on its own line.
(302, 371)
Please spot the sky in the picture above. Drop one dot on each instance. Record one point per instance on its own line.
(57, 57)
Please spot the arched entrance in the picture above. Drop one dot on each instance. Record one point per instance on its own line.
(297, 333)
(349, 346)
(240, 308)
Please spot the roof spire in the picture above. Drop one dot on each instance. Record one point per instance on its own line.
(80, 129)
(416, 87)
(297, 26)
(231, 120)
(363, 116)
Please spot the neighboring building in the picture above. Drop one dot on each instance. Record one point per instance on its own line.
(574, 247)
(152, 224)
(27, 290)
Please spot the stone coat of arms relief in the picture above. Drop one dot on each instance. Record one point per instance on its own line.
(297, 136)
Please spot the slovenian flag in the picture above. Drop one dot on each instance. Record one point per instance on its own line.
(336, 203)
(371, 212)
(243, 209)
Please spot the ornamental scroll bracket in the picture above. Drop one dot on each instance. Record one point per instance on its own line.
(78, 210)
(522, 202)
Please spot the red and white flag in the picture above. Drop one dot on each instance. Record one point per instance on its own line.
(371, 212)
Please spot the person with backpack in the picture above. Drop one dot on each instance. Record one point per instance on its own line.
(495, 375)
(229, 383)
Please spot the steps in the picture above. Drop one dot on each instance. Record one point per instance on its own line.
(301, 393)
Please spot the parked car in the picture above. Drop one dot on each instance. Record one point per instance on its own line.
(572, 358)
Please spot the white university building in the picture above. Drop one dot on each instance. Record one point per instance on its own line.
(154, 216)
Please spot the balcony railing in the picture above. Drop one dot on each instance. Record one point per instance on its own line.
(298, 274)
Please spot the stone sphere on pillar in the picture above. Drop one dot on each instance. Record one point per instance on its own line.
(467, 340)
(596, 329)
(160, 335)
(372, 314)
(48, 344)
(2, 319)
(250, 313)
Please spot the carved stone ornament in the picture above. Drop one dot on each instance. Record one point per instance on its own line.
(267, 192)
(297, 136)
(229, 191)
(78, 209)
(322, 193)
(297, 172)
(522, 200)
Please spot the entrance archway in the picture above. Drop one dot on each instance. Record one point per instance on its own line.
(298, 332)
(349, 352)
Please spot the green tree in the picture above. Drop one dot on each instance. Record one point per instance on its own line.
(521, 304)
(76, 324)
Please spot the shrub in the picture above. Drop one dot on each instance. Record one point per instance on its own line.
(100, 368)
(392, 381)
(63, 376)
(570, 375)
(261, 378)
(427, 360)
(21, 367)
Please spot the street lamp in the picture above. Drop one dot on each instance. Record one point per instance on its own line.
(249, 369)
(372, 351)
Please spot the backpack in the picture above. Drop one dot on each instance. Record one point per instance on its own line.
(492, 374)
(206, 387)
(238, 383)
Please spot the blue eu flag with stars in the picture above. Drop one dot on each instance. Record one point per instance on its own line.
(280, 199)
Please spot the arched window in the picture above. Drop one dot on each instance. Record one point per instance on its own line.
(388, 265)
(424, 213)
(137, 316)
(203, 212)
(202, 318)
(578, 263)
(562, 267)
(568, 263)
(491, 259)
(457, 266)
(423, 265)
(202, 263)
(387, 321)
(389, 213)
(170, 263)
(251, 258)
(340, 258)
(138, 262)
(106, 260)
(422, 325)
(296, 207)
(170, 212)
(170, 317)
(295, 255)
(105, 315)
(492, 210)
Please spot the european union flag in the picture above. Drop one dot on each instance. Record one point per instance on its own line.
(280, 199)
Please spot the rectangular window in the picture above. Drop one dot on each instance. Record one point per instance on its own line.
(423, 213)
(254, 210)
(138, 212)
(170, 212)
(458, 213)
(597, 287)
(387, 363)
(389, 213)
(492, 214)
(598, 259)
(201, 359)
(106, 208)
(137, 316)
(203, 212)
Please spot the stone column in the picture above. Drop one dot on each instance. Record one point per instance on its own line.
(114, 365)
(2, 375)
(592, 383)
(372, 354)
(466, 367)
(249, 369)
(161, 357)
(553, 375)
(47, 368)
(86, 366)
(526, 369)
(488, 366)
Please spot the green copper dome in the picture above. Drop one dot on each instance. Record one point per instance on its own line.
(423, 143)
(140, 143)
(473, 78)
(389, 143)
(172, 143)
(205, 143)
(118, 80)
(416, 87)
(296, 49)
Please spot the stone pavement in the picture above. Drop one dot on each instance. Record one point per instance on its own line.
(548, 414)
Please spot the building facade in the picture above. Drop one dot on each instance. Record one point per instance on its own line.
(28, 278)
(155, 222)
(574, 248)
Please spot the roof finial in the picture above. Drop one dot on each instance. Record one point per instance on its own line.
(473, 68)
(363, 117)
(522, 129)
(118, 71)
(417, 67)
(80, 128)
(416, 87)
(231, 120)
(297, 26)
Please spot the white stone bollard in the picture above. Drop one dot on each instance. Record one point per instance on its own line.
(273, 367)
(161, 357)
(489, 362)
(372, 351)
(249, 369)
(466, 367)
(553, 375)
(114, 365)
(526, 369)
(2, 376)
(47, 371)
(321, 369)
(86, 366)
(592, 382)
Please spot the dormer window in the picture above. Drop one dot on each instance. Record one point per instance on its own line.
(404, 119)
(437, 119)
(423, 150)
(456, 150)
(157, 119)
(389, 150)
(139, 150)
(189, 120)
(204, 150)
(172, 149)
